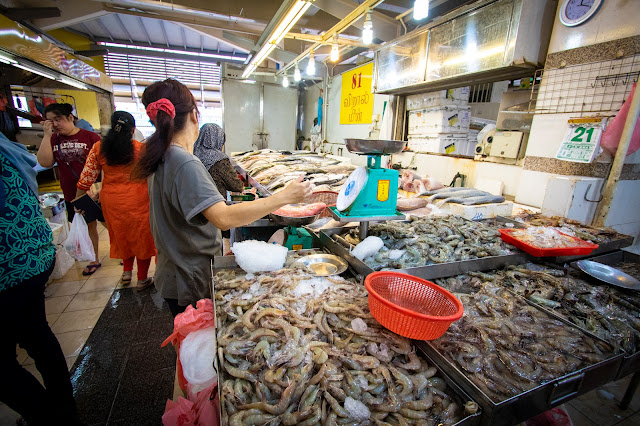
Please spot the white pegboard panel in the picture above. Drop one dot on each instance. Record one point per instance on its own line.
(599, 87)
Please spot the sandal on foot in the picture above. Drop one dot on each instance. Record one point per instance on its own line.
(125, 279)
(90, 269)
(144, 284)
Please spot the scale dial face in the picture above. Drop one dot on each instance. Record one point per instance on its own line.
(576, 12)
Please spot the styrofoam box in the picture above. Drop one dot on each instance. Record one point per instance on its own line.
(482, 211)
(432, 121)
(440, 144)
(459, 96)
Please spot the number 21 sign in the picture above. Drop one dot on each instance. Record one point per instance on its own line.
(581, 143)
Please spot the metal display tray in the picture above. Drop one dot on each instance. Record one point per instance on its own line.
(603, 248)
(254, 183)
(528, 404)
(630, 362)
(229, 262)
(427, 272)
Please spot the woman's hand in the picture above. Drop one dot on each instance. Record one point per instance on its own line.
(47, 126)
(296, 191)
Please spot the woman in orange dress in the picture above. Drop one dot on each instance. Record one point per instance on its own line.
(125, 202)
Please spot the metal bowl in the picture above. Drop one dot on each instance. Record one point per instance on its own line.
(374, 146)
(324, 265)
(292, 221)
(608, 274)
(49, 200)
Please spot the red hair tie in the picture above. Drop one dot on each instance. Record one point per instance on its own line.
(162, 104)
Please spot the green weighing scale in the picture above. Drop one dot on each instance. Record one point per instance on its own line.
(371, 193)
(296, 237)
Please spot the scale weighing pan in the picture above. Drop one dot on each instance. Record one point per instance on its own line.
(374, 146)
(291, 220)
(324, 265)
(608, 274)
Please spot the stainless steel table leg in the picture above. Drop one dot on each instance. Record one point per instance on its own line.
(631, 390)
(363, 230)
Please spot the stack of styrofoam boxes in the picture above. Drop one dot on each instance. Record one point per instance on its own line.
(439, 122)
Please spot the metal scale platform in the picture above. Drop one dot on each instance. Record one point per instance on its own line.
(371, 193)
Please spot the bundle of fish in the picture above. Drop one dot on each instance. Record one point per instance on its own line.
(506, 346)
(428, 240)
(274, 169)
(594, 234)
(608, 312)
(458, 195)
(295, 349)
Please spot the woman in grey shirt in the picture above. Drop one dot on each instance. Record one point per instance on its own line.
(186, 210)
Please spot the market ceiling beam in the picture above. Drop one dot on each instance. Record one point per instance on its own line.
(160, 54)
(385, 27)
(249, 45)
(341, 40)
(73, 12)
(220, 36)
(22, 13)
(355, 14)
(143, 45)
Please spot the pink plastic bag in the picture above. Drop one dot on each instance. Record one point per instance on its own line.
(554, 417)
(611, 136)
(202, 408)
(190, 320)
(181, 413)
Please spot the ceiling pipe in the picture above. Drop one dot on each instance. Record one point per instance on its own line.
(341, 40)
(345, 23)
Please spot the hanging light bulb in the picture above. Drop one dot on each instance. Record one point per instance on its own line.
(420, 9)
(296, 74)
(335, 52)
(311, 65)
(367, 29)
(285, 81)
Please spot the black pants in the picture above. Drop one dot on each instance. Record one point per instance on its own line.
(23, 317)
(174, 307)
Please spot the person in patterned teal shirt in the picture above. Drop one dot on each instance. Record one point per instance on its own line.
(27, 257)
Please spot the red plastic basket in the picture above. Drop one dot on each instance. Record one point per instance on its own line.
(582, 247)
(327, 197)
(410, 306)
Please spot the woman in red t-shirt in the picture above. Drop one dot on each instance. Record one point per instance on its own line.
(69, 146)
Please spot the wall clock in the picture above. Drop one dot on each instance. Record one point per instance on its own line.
(576, 12)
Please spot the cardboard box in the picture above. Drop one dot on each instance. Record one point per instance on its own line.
(433, 121)
(459, 97)
(482, 211)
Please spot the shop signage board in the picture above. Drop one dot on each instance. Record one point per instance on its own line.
(356, 100)
(581, 142)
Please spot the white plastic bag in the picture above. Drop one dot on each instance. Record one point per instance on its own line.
(197, 351)
(64, 262)
(78, 244)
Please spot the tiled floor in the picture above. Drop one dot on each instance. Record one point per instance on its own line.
(114, 334)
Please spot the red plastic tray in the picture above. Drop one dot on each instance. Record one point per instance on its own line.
(582, 248)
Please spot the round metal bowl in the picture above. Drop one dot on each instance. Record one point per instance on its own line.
(608, 274)
(324, 265)
(374, 146)
(49, 200)
(292, 221)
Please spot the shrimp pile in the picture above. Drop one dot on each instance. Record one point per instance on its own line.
(428, 240)
(318, 360)
(506, 346)
(594, 234)
(608, 312)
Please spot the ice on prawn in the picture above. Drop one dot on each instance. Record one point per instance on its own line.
(257, 256)
(368, 247)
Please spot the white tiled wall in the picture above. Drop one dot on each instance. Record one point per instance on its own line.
(625, 208)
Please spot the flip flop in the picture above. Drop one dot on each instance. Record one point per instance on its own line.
(90, 269)
(144, 284)
(125, 279)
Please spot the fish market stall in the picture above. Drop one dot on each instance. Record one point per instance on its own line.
(427, 247)
(294, 348)
(274, 169)
(515, 358)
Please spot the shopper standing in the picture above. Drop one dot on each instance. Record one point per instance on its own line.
(27, 257)
(69, 146)
(186, 210)
(125, 203)
(209, 148)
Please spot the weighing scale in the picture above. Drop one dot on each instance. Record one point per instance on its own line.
(371, 193)
(296, 237)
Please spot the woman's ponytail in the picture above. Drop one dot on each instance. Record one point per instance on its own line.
(168, 104)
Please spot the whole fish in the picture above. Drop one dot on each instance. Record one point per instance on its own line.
(458, 194)
(470, 201)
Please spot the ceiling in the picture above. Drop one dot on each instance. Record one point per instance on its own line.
(210, 26)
